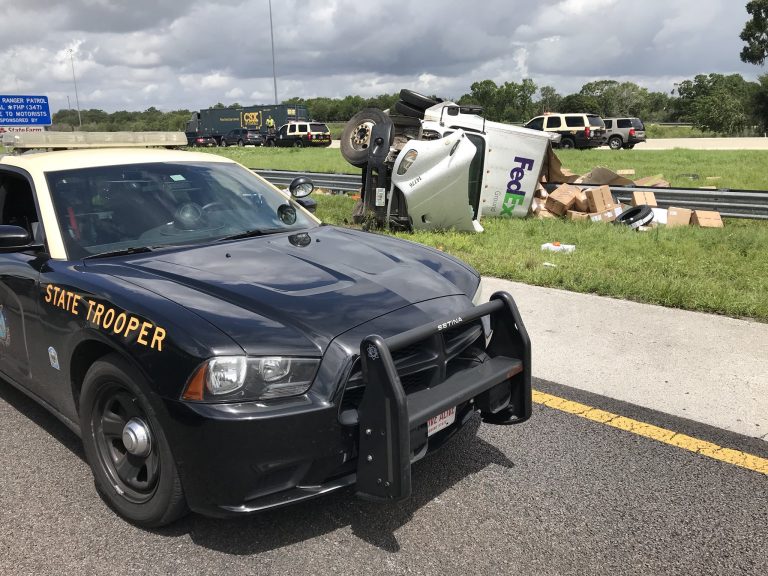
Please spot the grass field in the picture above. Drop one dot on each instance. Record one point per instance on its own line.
(683, 168)
(724, 271)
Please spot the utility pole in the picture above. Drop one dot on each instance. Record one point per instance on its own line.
(74, 80)
(272, 36)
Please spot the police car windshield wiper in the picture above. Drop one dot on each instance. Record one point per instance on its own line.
(122, 252)
(252, 233)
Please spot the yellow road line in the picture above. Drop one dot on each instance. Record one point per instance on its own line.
(735, 457)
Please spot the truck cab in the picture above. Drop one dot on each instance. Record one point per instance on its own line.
(456, 168)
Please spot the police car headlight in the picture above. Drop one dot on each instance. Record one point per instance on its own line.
(243, 379)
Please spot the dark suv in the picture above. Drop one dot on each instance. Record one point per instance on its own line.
(624, 132)
(578, 130)
(300, 134)
(241, 137)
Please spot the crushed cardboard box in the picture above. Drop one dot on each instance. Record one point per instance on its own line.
(706, 219)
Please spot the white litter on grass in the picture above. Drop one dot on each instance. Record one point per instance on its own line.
(557, 247)
(549, 265)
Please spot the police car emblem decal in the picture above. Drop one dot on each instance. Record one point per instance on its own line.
(53, 357)
(5, 332)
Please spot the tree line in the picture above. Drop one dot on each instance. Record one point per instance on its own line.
(722, 104)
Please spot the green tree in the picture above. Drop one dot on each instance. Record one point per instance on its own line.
(549, 100)
(722, 104)
(755, 33)
(579, 103)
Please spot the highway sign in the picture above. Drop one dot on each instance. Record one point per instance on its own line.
(19, 110)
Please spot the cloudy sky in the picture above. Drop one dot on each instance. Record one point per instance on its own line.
(174, 54)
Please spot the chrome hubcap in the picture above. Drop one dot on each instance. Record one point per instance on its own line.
(136, 438)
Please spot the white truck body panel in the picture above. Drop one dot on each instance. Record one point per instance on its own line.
(512, 160)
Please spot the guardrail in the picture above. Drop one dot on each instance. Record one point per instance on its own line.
(334, 182)
(730, 203)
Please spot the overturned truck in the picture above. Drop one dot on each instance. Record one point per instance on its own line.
(429, 164)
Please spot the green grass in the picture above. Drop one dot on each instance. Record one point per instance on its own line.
(733, 169)
(743, 169)
(658, 131)
(722, 271)
(327, 160)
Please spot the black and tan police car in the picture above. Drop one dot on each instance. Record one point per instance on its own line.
(218, 349)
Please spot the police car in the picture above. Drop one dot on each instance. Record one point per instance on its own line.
(218, 349)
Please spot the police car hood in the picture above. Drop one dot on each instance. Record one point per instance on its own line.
(313, 285)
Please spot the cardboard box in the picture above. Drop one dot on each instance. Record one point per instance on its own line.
(581, 204)
(706, 219)
(607, 215)
(562, 199)
(576, 215)
(599, 199)
(603, 176)
(678, 216)
(654, 181)
(643, 198)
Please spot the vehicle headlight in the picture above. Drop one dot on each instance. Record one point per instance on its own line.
(405, 163)
(244, 379)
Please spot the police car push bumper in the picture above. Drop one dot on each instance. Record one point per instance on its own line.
(388, 418)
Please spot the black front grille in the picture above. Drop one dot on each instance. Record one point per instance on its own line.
(425, 364)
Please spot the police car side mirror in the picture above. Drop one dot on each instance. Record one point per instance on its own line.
(301, 187)
(14, 236)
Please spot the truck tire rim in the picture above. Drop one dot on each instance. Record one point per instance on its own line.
(124, 444)
(361, 136)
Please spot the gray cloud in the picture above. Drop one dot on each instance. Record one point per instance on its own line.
(190, 54)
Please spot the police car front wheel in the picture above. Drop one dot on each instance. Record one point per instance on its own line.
(132, 464)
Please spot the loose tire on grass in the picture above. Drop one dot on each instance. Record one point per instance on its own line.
(356, 137)
(635, 217)
(136, 475)
(416, 100)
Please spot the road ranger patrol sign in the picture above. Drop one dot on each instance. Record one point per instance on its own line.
(24, 111)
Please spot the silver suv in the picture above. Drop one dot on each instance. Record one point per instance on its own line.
(624, 132)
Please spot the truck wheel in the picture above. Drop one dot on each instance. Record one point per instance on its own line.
(298, 143)
(614, 143)
(408, 110)
(416, 100)
(356, 136)
(240, 143)
(223, 143)
(567, 144)
(133, 468)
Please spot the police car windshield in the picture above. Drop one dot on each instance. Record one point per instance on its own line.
(112, 208)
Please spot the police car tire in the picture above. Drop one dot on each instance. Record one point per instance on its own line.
(635, 217)
(167, 502)
(418, 101)
(356, 152)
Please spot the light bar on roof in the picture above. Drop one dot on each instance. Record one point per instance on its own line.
(67, 140)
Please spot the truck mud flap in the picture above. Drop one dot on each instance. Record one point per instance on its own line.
(501, 386)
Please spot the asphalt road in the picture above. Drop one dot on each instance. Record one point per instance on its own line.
(556, 495)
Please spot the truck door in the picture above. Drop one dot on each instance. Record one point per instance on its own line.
(19, 280)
